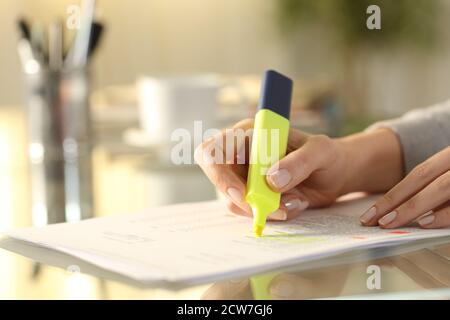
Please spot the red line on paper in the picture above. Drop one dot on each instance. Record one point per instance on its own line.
(400, 232)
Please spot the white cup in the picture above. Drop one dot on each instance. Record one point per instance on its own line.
(170, 103)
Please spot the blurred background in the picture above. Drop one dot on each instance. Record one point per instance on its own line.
(89, 137)
(401, 66)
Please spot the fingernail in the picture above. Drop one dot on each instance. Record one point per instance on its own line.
(368, 215)
(283, 289)
(278, 215)
(388, 218)
(280, 178)
(235, 195)
(296, 205)
(427, 220)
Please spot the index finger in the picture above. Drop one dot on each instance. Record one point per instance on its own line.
(217, 158)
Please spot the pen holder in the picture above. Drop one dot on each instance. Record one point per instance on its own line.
(59, 145)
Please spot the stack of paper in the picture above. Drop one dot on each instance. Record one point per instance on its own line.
(201, 242)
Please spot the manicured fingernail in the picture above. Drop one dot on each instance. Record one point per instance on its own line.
(427, 220)
(280, 178)
(282, 289)
(388, 218)
(278, 215)
(368, 215)
(235, 195)
(296, 205)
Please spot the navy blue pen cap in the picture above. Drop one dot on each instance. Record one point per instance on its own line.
(276, 93)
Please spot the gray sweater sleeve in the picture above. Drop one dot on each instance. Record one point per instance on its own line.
(422, 132)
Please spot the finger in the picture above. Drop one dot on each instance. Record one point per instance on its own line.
(224, 146)
(237, 210)
(290, 207)
(243, 144)
(243, 131)
(234, 142)
(293, 203)
(437, 219)
(296, 139)
(315, 154)
(278, 215)
(432, 196)
(209, 155)
(217, 158)
(416, 180)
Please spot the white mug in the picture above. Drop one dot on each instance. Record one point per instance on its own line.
(170, 103)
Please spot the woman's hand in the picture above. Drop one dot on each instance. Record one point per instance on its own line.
(312, 174)
(315, 171)
(423, 195)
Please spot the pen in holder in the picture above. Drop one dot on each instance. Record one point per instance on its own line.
(59, 144)
(57, 94)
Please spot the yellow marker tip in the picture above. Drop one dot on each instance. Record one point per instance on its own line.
(258, 231)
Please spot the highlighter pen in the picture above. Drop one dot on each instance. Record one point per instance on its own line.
(269, 143)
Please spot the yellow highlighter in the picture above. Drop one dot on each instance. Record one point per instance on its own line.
(269, 143)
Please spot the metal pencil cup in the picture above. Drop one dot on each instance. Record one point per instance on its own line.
(59, 145)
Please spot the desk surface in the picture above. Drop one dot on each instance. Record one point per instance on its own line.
(419, 270)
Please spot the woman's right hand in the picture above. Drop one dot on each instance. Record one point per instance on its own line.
(315, 171)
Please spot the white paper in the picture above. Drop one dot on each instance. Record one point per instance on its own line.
(201, 242)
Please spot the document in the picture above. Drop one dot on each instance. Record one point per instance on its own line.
(195, 243)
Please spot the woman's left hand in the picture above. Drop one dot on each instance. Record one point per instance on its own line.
(423, 195)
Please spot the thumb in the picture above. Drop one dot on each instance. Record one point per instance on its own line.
(317, 153)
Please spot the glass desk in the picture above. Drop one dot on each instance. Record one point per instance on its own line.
(127, 180)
